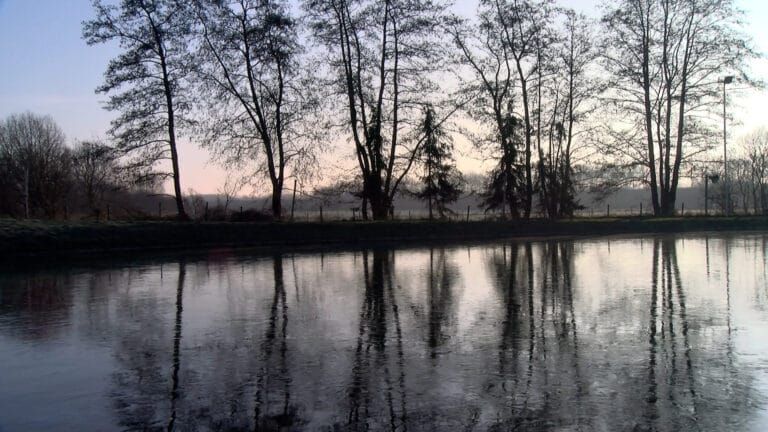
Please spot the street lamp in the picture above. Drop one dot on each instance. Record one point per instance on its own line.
(726, 183)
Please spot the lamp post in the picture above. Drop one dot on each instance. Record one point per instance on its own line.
(726, 184)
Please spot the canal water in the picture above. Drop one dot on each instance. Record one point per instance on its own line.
(665, 333)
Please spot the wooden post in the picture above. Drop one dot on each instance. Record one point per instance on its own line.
(206, 211)
(160, 210)
(467, 213)
(26, 193)
(682, 210)
(706, 195)
(293, 201)
(108, 211)
(641, 209)
(321, 214)
(608, 211)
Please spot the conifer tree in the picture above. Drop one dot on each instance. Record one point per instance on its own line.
(442, 181)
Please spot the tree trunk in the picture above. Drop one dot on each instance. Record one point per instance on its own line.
(277, 202)
(181, 213)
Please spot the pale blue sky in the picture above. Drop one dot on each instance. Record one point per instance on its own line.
(47, 68)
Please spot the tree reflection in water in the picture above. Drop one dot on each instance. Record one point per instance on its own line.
(529, 339)
(377, 379)
(539, 372)
(272, 402)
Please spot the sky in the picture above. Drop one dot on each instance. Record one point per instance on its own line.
(47, 68)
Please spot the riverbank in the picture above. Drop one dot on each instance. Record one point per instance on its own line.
(20, 238)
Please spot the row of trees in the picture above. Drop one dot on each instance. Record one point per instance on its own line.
(41, 175)
(749, 172)
(263, 87)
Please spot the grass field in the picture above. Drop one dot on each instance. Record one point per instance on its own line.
(29, 237)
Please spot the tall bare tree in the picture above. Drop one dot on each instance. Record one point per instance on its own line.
(490, 78)
(259, 100)
(525, 30)
(383, 55)
(147, 80)
(666, 58)
(569, 98)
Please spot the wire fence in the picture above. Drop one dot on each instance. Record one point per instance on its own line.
(474, 214)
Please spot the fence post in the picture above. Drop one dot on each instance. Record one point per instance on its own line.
(160, 210)
(206, 210)
(321, 214)
(108, 211)
(608, 211)
(293, 200)
(467, 213)
(641, 209)
(682, 211)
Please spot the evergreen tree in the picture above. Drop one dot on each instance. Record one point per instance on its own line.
(442, 181)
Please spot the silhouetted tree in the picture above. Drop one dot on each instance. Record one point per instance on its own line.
(492, 83)
(382, 54)
(147, 80)
(35, 166)
(571, 92)
(95, 171)
(508, 52)
(524, 28)
(666, 58)
(756, 149)
(259, 102)
(441, 178)
(505, 186)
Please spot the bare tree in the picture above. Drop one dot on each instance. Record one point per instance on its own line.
(491, 79)
(95, 170)
(666, 58)
(525, 29)
(260, 104)
(748, 172)
(147, 80)
(756, 149)
(569, 98)
(383, 55)
(35, 164)
(533, 86)
(229, 190)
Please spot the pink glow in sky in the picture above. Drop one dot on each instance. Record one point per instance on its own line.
(48, 69)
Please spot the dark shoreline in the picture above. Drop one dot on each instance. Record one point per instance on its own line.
(41, 238)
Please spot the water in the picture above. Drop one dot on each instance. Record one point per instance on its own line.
(635, 333)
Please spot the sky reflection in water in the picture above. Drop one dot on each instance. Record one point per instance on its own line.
(651, 333)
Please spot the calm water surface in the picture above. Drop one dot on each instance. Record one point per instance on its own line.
(644, 333)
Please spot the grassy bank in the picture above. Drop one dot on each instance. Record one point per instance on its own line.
(18, 238)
